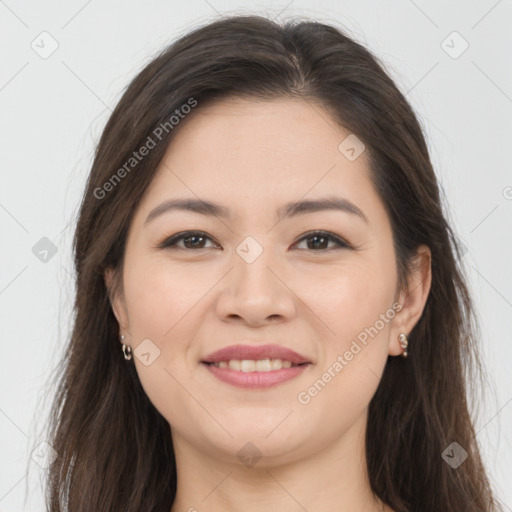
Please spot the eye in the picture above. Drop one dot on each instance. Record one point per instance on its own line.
(191, 239)
(320, 238)
(197, 240)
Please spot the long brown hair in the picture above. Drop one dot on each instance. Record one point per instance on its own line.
(114, 448)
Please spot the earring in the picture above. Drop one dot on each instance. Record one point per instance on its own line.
(403, 343)
(127, 350)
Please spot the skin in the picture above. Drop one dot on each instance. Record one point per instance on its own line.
(254, 157)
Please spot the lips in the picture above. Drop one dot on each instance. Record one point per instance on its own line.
(241, 352)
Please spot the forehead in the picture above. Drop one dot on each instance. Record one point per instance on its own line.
(254, 150)
(283, 127)
(255, 159)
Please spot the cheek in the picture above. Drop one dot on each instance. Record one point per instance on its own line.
(353, 305)
(356, 304)
(349, 298)
(160, 299)
(159, 296)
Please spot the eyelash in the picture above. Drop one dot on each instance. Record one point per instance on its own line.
(170, 243)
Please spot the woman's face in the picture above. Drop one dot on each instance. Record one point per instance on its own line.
(257, 279)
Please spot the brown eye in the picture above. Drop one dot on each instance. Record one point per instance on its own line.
(191, 240)
(319, 241)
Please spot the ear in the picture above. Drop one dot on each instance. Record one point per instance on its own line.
(412, 299)
(116, 296)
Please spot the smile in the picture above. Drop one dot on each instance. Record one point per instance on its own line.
(255, 374)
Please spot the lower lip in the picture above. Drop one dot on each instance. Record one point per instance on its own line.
(255, 380)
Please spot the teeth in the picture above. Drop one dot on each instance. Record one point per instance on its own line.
(263, 366)
(248, 365)
(235, 365)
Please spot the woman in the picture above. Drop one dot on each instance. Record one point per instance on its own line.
(269, 311)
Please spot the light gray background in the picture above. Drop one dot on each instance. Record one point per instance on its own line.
(53, 111)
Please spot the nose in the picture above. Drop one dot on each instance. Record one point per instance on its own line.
(256, 293)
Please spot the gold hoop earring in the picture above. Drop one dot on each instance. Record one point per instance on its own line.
(404, 341)
(127, 350)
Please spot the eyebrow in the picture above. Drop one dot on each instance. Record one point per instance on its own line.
(292, 209)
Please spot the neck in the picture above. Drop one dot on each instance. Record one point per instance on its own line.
(333, 477)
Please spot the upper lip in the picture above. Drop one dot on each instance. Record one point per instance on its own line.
(251, 352)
